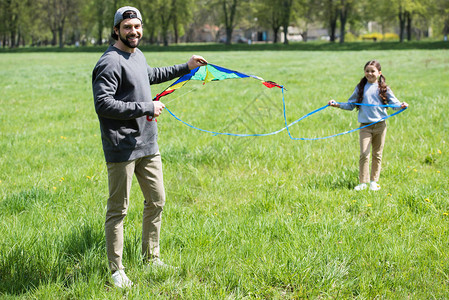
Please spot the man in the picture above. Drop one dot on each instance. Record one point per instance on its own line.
(121, 86)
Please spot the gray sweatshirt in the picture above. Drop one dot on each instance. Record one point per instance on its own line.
(122, 95)
(370, 114)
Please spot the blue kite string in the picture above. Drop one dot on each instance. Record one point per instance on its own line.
(341, 133)
(292, 123)
(223, 133)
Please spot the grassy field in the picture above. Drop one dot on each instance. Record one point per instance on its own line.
(257, 217)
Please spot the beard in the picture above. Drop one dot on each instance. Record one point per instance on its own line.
(130, 44)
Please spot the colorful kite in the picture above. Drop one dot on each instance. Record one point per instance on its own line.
(210, 73)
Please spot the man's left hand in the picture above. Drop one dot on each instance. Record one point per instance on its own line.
(196, 61)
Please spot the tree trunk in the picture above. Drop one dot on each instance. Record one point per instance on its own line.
(165, 23)
(286, 13)
(304, 36)
(19, 39)
(165, 34)
(152, 37)
(12, 43)
(275, 25)
(446, 29)
(409, 26)
(175, 29)
(100, 21)
(61, 36)
(344, 10)
(100, 34)
(333, 28)
(401, 16)
(343, 19)
(54, 37)
(228, 35)
(275, 37)
(165, 37)
(285, 32)
(332, 18)
(229, 19)
(174, 17)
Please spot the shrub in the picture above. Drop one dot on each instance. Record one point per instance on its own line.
(376, 36)
(389, 36)
(350, 37)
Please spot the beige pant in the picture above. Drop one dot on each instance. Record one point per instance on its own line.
(372, 135)
(148, 171)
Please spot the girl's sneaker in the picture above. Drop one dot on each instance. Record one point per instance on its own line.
(360, 187)
(374, 186)
(156, 262)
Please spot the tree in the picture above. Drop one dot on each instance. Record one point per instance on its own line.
(10, 16)
(403, 14)
(269, 12)
(384, 11)
(151, 24)
(21, 22)
(286, 6)
(164, 18)
(100, 18)
(229, 9)
(446, 29)
(381, 12)
(57, 13)
(180, 16)
(35, 22)
(406, 10)
(344, 12)
(175, 19)
(441, 12)
(422, 15)
(170, 18)
(330, 13)
(202, 15)
(306, 14)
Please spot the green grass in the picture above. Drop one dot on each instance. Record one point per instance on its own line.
(262, 217)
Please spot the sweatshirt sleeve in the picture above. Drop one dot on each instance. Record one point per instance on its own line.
(105, 80)
(392, 100)
(349, 105)
(162, 74)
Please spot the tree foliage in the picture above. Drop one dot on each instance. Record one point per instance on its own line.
(65, 22)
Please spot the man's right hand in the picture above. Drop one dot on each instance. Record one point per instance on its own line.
(158, 108)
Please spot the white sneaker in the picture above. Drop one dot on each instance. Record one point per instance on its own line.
(121, 280)
(156, 262)
(360, 187)
(374, 186)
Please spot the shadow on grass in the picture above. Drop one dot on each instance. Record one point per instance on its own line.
(39, 259)
(25, 200)
(302, 46)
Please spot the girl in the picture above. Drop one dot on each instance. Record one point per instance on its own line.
(371, 89)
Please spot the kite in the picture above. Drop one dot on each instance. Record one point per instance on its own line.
(206, 74)
(212, 72)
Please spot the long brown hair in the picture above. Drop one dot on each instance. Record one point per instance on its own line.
(381, 82)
